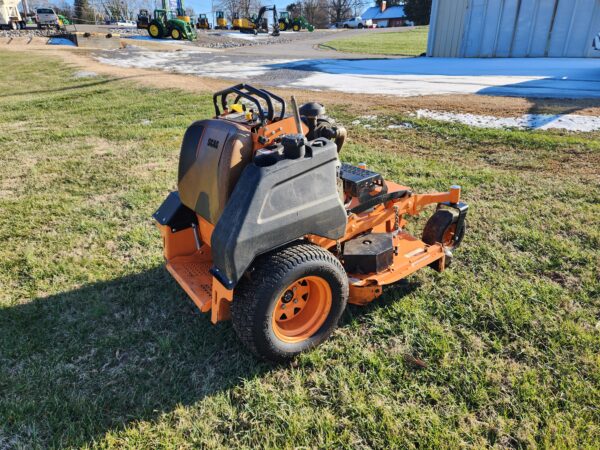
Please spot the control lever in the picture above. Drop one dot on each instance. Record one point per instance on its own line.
(294, 145)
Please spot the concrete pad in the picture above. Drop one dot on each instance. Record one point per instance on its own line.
(402, 77)
(530, 77)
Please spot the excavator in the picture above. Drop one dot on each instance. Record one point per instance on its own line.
(258, 24)
(203, 23)
(181, 14)
(236, 21)
(221, 21)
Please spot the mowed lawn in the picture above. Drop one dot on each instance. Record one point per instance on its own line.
(408, 42)
(99, 347)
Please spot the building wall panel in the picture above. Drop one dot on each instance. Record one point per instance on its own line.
(446, 27)
(514, 28)
(507, 28)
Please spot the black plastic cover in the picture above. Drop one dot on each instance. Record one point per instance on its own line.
(276, 204)
(175, 214)
(369, 253)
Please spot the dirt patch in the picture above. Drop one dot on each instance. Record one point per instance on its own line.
(356, 103)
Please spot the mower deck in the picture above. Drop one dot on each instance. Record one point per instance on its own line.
(411, 255)
(192, 271)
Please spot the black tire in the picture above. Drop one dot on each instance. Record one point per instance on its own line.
(159, 28)
(346, 26)
(435, 231)
(258, 292)
(176, 33)
(360, 26)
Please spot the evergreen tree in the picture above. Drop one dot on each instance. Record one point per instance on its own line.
(83, 12)
(418, 11)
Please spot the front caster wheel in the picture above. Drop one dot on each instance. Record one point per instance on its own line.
(441, 228)
(290, 301)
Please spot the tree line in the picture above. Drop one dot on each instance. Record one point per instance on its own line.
(320, 13)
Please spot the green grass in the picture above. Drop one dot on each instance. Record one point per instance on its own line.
(411, 42)
(99, 347)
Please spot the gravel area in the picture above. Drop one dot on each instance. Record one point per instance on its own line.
(231, 38)
(29, 33)
(128, 31)
(206, 39)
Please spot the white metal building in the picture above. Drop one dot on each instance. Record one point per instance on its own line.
(513, 28)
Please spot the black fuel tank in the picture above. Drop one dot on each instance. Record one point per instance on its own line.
(276, 204)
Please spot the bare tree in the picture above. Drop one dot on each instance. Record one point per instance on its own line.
(244, 8)
(64, 8)
(315, 12)
(116, 9)
(295, 9)
(340, 10)
(136, 5)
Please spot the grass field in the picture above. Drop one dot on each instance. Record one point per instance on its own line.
(99, 347)
(400, 43)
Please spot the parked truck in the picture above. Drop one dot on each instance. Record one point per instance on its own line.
(358, 22)
(47, 18)
(10, 17)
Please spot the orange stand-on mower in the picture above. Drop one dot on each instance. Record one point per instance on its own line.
(268, 228)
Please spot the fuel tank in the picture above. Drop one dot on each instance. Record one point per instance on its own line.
(213, 155)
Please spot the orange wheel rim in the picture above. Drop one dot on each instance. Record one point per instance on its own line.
(448, 238)
(301, 309)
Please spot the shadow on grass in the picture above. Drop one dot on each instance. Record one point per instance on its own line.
(78, 364)
(68, 88)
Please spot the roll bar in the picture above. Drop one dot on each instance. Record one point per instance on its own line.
(253, 95)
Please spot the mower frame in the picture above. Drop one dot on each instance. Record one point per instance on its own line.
(188, 237)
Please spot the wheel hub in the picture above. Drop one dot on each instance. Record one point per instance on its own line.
(302, 309)
(287, 297)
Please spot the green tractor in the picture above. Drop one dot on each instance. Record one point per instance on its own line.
(64, 19)
(297, 24)
(166, 23)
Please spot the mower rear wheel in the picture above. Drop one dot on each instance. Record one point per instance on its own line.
(441, 228)
(290, 301)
